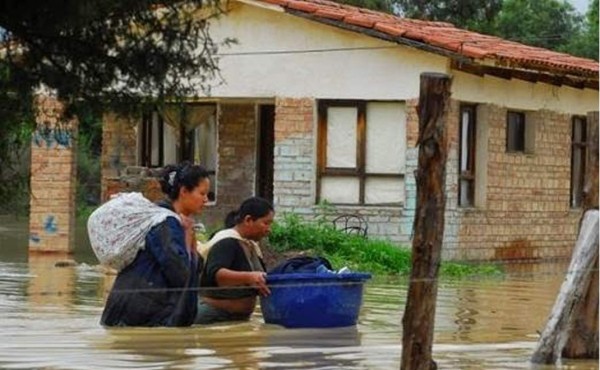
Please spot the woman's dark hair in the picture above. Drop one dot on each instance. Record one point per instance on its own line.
(255, 207)
(185, 174)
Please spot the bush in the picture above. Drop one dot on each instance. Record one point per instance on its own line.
(359, 254)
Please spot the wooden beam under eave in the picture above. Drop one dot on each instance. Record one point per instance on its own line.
(526, 76)
(533, 77)
(591, 84)
(551, 80)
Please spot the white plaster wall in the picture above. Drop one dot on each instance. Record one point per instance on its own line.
(388, 73)
(391, 73)
(518, 94)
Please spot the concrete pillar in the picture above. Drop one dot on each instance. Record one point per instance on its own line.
(53, 179)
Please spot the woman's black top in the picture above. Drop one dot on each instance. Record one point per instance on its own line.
(227, 253)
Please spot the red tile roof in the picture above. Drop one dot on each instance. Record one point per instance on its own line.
(442, 38)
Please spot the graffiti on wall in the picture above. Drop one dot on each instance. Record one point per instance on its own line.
(50, 136)
(35, 238)
(50, 226)
(54, 127)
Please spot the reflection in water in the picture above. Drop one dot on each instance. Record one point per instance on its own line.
(313, 348)
(50, 319)
(49, 284)
(466, 314)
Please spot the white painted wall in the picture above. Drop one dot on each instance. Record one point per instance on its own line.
(518, 94)
(391, 73)
(388, 73)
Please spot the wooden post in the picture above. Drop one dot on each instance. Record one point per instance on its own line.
(583, 337)
(419, 314)
(555, 334)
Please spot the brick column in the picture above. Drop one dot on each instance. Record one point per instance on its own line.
(53, 179)
(410, 184)
(295, 157)
(119, 149)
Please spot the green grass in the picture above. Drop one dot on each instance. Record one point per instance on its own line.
(379, 257)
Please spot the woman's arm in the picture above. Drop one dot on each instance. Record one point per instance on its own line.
(166, 242)
(224, 262)
(255, 279)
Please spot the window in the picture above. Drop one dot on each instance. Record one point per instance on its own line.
(152, 140)
(176, 134)
(520, 132)
(578, 156)
(515, 132)
(466, 175)
(362, 148)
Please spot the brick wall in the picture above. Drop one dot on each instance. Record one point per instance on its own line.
(236, 165)
(294, 173)
(412, 155)
(527, 212)
(452, 214)
(53, 178)
(119, 150)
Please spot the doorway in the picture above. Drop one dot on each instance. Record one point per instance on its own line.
(266, 146)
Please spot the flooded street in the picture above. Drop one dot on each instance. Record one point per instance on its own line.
(50, 320)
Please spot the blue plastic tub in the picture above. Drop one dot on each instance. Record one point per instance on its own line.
(319, 300)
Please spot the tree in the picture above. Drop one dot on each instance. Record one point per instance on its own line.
(102, 54)
(550, 24)
(386, 6)
(476, 15)
(15, 129)
(586, 43)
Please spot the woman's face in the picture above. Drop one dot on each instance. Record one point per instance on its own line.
(193, 201)
(260, 227)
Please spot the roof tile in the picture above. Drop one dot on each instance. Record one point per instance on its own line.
(444, 42)
(330, 13)
(389, 29)
(359, 20)
(303, 6)
(473, 51)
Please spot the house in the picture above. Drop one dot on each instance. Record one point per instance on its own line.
(319, 104)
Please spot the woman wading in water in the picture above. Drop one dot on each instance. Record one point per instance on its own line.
(234, 260)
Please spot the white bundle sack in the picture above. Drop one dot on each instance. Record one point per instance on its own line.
(118, 228)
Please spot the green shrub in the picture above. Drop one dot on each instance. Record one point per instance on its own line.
(359, 254)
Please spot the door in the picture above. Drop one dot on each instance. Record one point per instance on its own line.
(266, 145)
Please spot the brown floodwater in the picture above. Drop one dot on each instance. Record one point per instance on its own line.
(49, 320)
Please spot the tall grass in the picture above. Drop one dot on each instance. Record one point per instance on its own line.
(359, 254)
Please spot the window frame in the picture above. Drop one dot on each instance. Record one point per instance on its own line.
(522, 133)
(582, 146)
(183, 154)
(469, 174)
(147, 128)
(359, 171)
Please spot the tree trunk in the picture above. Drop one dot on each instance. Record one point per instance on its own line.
(419, 314)
(555, 334)
(583, 338)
